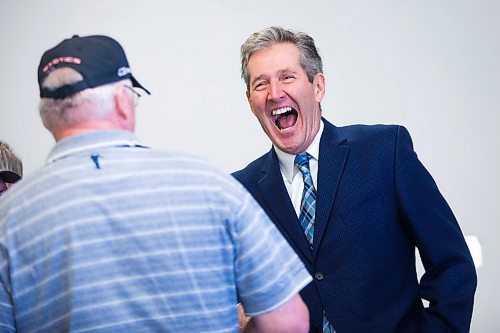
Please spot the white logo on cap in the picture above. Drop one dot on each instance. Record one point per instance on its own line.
(122, 71)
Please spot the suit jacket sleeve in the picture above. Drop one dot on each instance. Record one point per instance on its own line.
(449, 282)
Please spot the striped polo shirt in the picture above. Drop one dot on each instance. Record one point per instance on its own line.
(111, 236)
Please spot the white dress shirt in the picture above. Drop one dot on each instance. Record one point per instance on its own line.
(292, 177)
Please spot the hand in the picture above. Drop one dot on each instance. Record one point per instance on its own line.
(242, 319)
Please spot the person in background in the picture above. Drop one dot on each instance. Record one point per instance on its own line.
(11, 167)
(112, 236)
(354, 202)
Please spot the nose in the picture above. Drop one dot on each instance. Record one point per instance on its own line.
(276, 91)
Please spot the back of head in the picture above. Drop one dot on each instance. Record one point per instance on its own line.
(11, 167)
(81, 107)
(80, 71)
(309, 56)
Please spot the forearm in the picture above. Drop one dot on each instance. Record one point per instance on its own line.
(292, 316)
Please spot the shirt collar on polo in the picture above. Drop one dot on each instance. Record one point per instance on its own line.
(92, 140)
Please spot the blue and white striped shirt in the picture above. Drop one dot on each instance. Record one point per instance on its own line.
(110, 236)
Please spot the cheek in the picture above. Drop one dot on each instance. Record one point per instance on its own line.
(308, 100)
(255, 105)
(252, 106)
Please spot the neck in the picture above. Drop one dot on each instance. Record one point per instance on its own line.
(95, 126)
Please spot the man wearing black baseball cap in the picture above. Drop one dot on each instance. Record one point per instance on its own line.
(111, 236)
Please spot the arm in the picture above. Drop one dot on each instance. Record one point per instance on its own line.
(292, 317)
(7, 322)
(449, 282)
(268, 277)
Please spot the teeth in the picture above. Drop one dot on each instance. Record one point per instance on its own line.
(282, 110)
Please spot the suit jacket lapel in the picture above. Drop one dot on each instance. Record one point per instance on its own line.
(332, 157)
(279, 205)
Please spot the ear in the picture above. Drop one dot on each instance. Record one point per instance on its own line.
(124, 109)
(319, 87)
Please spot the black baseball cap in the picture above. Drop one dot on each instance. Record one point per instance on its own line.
(9, 176)
(99, 59)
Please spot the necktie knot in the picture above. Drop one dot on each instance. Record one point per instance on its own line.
(302, 162)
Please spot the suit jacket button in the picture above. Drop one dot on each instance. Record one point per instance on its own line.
(318, 276)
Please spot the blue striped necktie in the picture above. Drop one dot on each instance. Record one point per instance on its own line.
(308, 211)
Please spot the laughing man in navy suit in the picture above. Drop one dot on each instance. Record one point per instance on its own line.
(374, 203)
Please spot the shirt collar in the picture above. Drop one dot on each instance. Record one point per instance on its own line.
(91, 140)
(286, 161)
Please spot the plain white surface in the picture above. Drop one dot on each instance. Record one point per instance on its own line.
(432, 66)
(475, 249)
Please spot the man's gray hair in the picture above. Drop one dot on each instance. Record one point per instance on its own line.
(61, 113)
(309, 56)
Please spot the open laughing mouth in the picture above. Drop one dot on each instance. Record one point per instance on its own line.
(284, 117)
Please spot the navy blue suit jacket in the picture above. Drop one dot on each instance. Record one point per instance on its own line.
(375, 203)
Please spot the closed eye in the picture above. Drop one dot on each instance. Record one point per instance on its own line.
(288, 78)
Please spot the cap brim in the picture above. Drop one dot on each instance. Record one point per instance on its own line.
(9, 176)
(136, 84)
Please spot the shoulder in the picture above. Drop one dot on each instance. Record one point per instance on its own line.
(253, 169)
(367, 132)
(178, 160)
(367, 141)
(372, 135)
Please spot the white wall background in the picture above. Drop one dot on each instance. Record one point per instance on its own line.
(431, 65)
